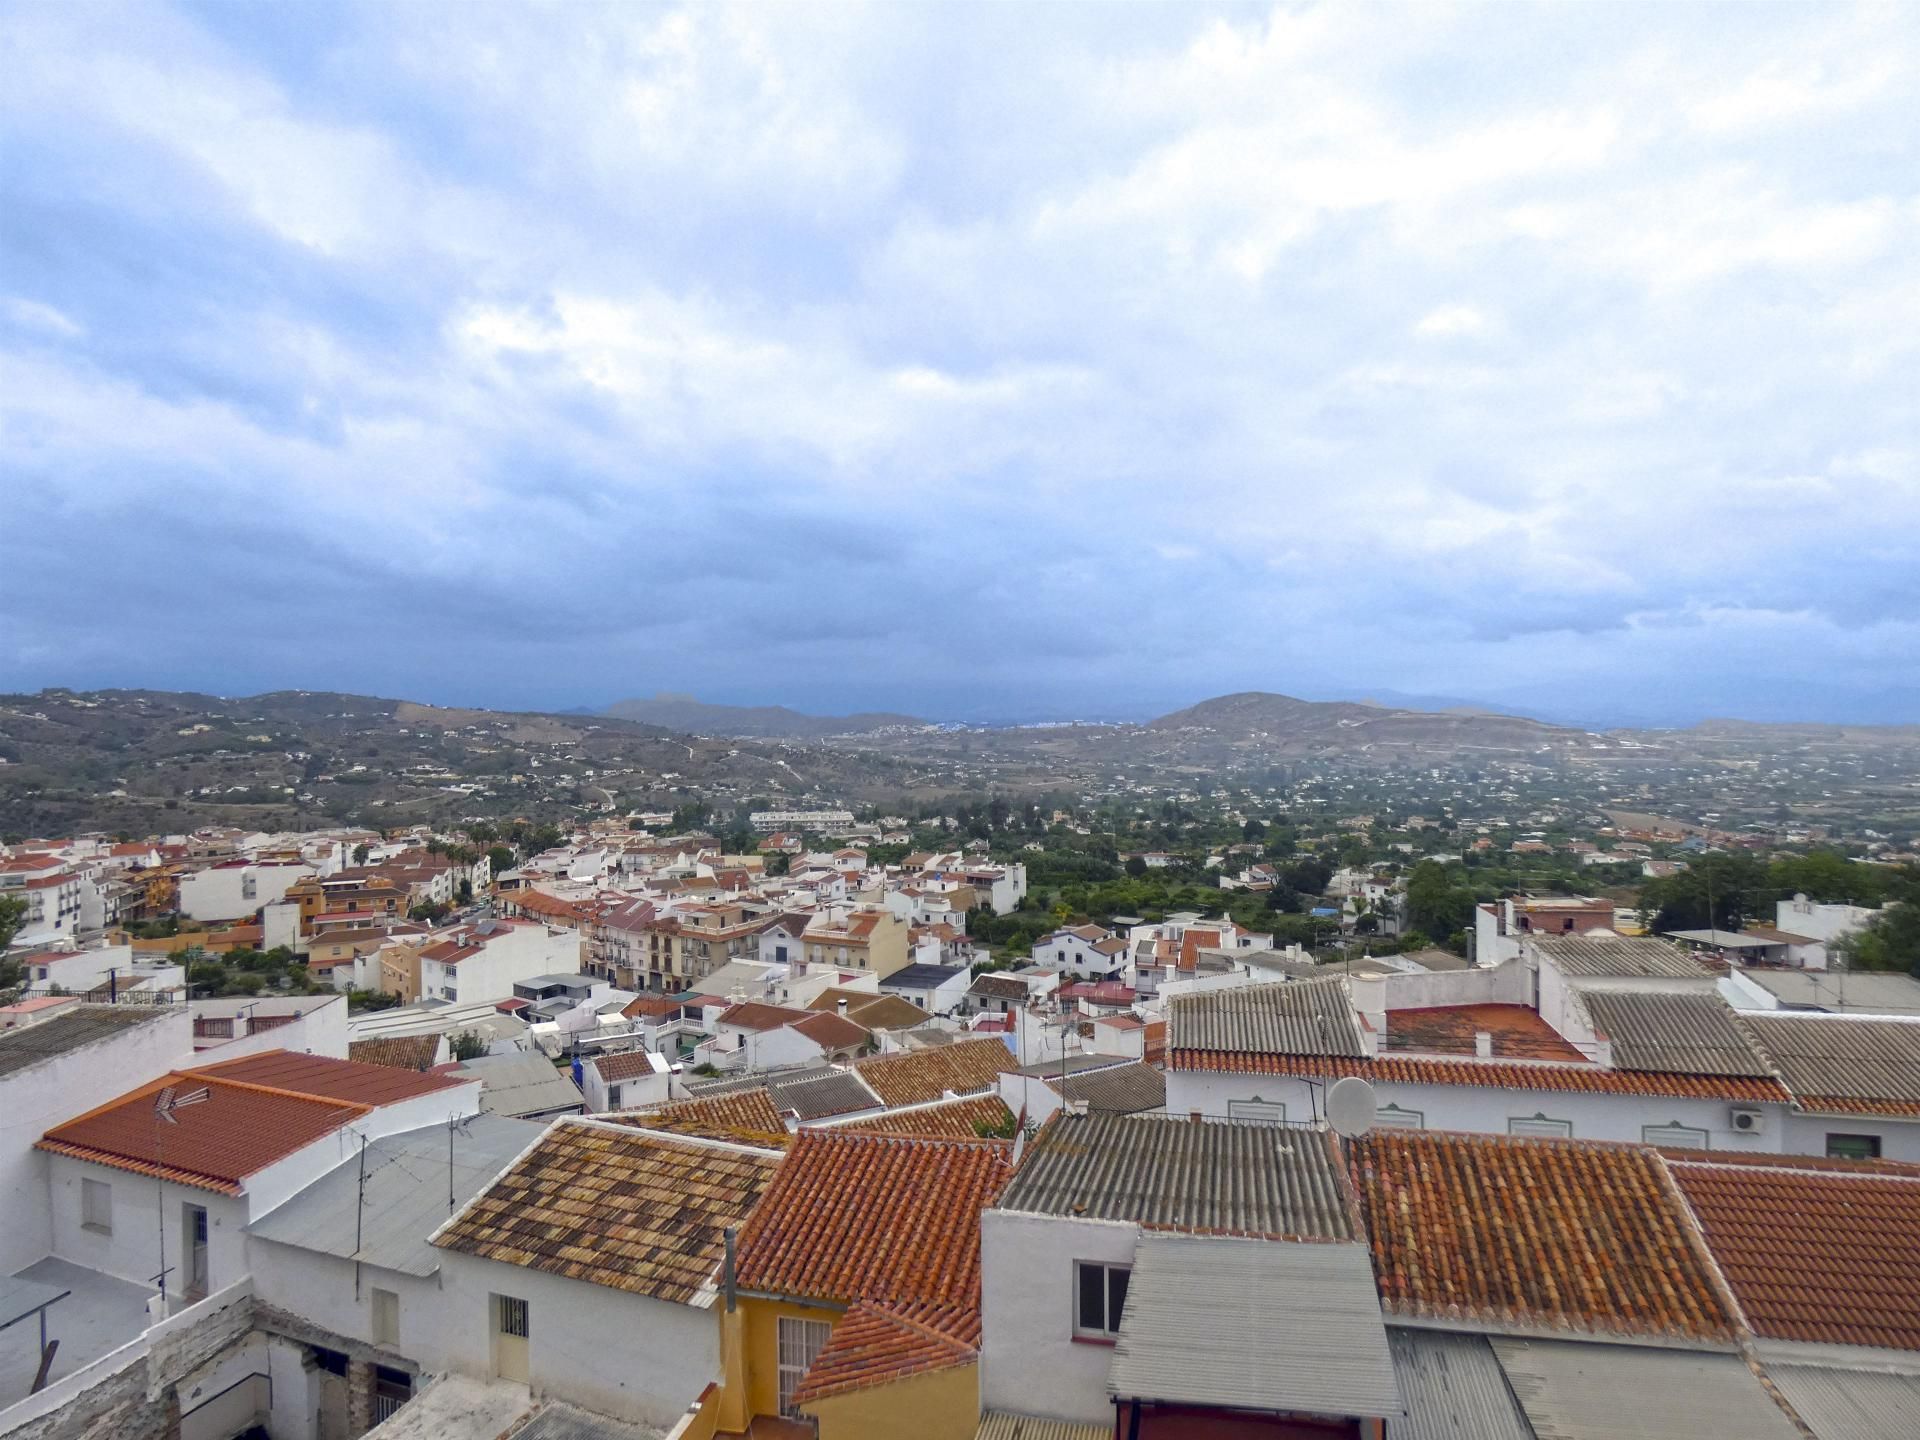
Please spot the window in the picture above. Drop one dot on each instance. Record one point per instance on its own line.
(96, 1206)
(1100, 1297)
(800, 1343)
(1682, 1137)
(512, 1311)
(1392, 1117)
(386, 1318)
(1852, 1147)
(1539, 1125)
(1266, 1112)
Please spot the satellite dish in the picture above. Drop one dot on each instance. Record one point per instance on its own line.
(1350, 1107)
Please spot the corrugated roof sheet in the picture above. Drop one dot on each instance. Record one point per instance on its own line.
(1121, 1089)
(405, 1199)
(617, 1207)
(1829, 1056)
(1574, 1391)
(524, 1084)
(1289, 1017)
(1602, 954)
(999, 1425)
(1560, 1234)
(82, 1025)
(1813, 1255)
(1676, 1032)
(1213, 1177)
(1851, 1404)
(840, 1093)
(1452, 1388)
(1255, 1325)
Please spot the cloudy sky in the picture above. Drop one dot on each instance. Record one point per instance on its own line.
(989, 361)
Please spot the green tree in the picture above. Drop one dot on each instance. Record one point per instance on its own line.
(13, 914)
(466, 1045)
(360, 854)
(1439, 902)
(1713, 892)
(1135, 866)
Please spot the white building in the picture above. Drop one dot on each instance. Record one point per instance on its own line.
(630, 1331)
(236, 889)
(1086, 952)
(482, 961)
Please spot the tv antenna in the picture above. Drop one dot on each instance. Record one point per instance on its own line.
(170, 1099)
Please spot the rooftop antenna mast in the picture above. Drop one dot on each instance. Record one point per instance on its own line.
(170, 1099)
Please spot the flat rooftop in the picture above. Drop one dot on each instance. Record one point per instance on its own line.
(1517, 1031)
(31, 1044)
(97, 1316)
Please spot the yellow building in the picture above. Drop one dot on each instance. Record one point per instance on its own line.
(874, 940)
(858, 1288)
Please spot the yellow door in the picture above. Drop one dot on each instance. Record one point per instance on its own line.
(510, 1335)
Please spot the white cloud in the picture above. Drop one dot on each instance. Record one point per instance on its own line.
(1451, 321)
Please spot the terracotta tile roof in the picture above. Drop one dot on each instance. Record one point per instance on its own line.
(1823, 1257)
(831, 1032)
(1555, 1234)
(753, 1015)
(745, 1116)
(877, 1344)
(625, 1066)
(1518, 1032)
(657, 1005)
(874, 1217)
(1496, 1074)
(399, 1052)
(875, 1012)
(615, 1206)
(1773, 1160)
(237, 1131)
(329, 1079)
(949, 1119)
(922, 1075)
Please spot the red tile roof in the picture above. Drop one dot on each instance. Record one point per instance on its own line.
(746, 1117)
(1815, 1256)
(215, 1144)
(753, 1015)
(874, 1217)
(1553, 1234)
(877, 1344)
(917, 1076)
(831, 1031)
(1496, 1074)
(329, 1079)
(624, 1066)
(953, 1119)
(400, 1052)
(1518, 1032)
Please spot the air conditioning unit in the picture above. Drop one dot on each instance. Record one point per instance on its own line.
(1746, 1121)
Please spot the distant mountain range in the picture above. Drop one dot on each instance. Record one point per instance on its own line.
(751, 722)
(1280, 724)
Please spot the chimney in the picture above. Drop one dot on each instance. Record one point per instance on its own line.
(1483, 1044)
(841, 1006)
(1193, 1117)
